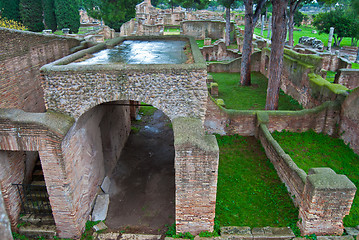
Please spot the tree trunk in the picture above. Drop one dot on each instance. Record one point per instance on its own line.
(357, 60)
(228, 25)
(247, 44)
(291, 24)
(277, 50)
(340, 40)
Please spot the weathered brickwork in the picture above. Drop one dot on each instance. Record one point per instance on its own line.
(324, 198)
(349, 124)
(327, 199)
(12, 171)
(43, 132)
(200, 29)
(323, 118)
(90, 151)
(196, 164)
(348, 78)
(218, 52)
(21, 56)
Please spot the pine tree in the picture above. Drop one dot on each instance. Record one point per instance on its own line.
(31, 14)
(67, 14)
(10, 9)
(49, 14)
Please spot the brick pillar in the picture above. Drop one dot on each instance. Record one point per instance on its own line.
(327, 199)
(60, 194)
(196, 165)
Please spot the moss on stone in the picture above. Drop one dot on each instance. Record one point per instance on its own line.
(213, 85)
(189, 131)
(57, 122)
(319, 81)
(220, 102)
(311, 59)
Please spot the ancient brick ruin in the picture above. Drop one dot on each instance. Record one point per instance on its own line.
(62, 114)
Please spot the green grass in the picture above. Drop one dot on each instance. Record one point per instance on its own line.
(200, 43)
(307, 31)
(172, 31)
(355, 65)
(330, 76)
(249, 191)
(147, 110)
(249, 97)
(309, 150)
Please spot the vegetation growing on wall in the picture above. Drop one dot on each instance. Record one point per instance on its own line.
(310, 150)
(5, 23)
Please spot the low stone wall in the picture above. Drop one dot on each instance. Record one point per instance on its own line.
(200, 29)
(324, 118)
(218, 52)
(348, 78)
(22, 54)
(293, 177)
(349, 124)
(232, 66)
(324, 197)
(301, 78)
(128, 28)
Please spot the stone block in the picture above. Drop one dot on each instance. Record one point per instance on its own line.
(351, 231)
(140, 237)
(106, 184)
(100, 226)
(347, 237)
(99, 212)
(214, 89)
(233, 232)
(272, 233)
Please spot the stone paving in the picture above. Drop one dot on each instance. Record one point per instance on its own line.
(236, 233)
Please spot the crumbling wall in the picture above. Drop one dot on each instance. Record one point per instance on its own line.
(349, 124)
(218, 52)
(21, 56)
(202, 29)
(348, 78)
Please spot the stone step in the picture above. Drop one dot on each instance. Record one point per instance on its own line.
(38, 172)
(33, 230)
(37, 219)
(38, 183)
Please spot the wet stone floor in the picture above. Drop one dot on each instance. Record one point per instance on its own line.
(141, 52)
(142, 184)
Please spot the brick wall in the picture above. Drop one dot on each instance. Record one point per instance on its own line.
(349, 124)
(348, 78)
(21, 56)
(90, 151)
(324, 198)
(198, 28)
(218, 52)
(196, 171)
(323, 118)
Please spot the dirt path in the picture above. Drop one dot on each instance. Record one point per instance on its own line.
(143, 189)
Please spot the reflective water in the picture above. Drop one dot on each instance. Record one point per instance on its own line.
(141, 52)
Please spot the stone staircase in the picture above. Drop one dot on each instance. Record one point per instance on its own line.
(37, 220)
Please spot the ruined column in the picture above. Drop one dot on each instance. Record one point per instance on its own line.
(331, 32)
(269, 34)
(196, 167)
(262, 26)
(327, 199)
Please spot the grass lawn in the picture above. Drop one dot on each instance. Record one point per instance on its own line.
(307, 31)
(309, 150)
(331, 76)
(250, 192)
(171, 31)
(200, 43)
(355, 65)
(249, 98)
